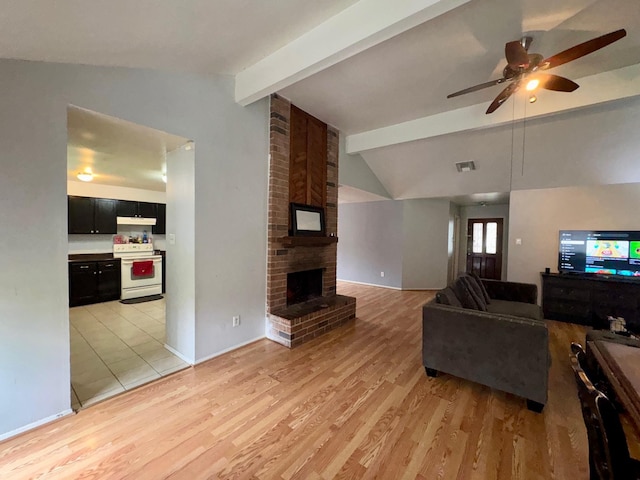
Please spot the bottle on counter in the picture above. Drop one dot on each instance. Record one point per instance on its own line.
(145, 238)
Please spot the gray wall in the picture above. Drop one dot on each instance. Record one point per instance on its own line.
(425, 244)
(370, 241)
(355, 172)
(407, 240)
(230, 216)
(538, 215)
(488, 211)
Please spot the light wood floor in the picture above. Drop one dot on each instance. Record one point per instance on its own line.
(353, 404)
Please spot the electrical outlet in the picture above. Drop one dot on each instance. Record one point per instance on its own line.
(382, 274)
(236, 320)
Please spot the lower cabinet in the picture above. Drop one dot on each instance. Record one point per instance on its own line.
(94, 282)
(590, 300)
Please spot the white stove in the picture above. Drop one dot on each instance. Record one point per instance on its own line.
(141, 270)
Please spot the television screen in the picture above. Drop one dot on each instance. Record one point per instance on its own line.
(605, 252)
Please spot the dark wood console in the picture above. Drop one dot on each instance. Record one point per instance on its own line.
(589, 300)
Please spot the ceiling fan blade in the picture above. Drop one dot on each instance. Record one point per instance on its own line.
(477, 87)
(582, 49)
(516, 55)
(500, 99)
(556, 83)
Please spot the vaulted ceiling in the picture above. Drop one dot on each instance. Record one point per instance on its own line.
(379, 71)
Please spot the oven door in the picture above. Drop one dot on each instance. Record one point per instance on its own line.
(141, 277)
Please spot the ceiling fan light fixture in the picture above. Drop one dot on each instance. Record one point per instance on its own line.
(85, 176)
(532, 84)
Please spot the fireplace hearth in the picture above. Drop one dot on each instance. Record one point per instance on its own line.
(304, 286)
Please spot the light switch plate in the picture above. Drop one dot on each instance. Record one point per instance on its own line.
(172, 239)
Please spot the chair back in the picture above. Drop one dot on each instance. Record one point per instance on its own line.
(608, 451)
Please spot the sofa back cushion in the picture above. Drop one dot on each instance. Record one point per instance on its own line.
(485, 294)
(475, 292)
(447, 296)
(463, 292)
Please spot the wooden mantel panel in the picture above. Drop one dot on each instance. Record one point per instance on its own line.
(308, 159)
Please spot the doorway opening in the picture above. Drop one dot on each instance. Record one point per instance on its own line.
(125, 184)
(484, 247)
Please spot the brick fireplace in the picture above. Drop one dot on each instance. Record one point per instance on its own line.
(292, 324)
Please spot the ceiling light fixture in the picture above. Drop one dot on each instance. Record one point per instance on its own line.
(85, 176)
(532, 84)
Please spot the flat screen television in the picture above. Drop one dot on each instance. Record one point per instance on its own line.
(600, 252)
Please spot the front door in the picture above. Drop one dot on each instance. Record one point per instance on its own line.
(484, 247)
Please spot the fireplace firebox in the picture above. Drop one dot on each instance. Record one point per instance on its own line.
(304, 286)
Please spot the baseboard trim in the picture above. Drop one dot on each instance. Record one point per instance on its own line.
(230, 349)
(179, 355)
(387, 286)
(37, 424)
(369, 284)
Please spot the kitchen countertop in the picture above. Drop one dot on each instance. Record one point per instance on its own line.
(90, 257)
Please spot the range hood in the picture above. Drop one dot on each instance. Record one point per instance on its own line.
(135, 221)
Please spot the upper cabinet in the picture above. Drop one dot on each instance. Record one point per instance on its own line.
(91, 215)
(161, 220)
(128, 208)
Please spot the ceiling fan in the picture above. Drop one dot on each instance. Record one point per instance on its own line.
(522, 65)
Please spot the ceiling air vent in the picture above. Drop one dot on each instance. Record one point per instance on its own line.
(465, 166)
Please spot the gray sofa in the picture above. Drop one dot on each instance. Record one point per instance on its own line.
(503, 343)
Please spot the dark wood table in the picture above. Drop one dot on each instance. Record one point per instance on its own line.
(621, 365)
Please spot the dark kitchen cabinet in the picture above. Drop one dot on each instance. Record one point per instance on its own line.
(129, 208)
(93, 282)
(91, 215)
(161, 220)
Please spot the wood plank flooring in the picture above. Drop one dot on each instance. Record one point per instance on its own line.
(355, 403)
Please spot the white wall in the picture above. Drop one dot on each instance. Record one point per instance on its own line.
(230, 218)
(425, 244)
(369, 242)
(97, 190)
(536, 217)
(488, 211)
(181, 271)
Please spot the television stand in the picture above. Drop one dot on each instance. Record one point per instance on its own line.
(590, 299)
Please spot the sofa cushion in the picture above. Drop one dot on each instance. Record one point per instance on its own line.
(483, 289)
(518, 309)
(463, 292)
(447, 296)
(472, 283)
(475, 292)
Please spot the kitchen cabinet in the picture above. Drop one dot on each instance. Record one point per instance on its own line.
(91, 215)
(130, 208)
(161, 220)
(94, 282)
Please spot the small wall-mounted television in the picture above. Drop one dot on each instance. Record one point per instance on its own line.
(307, 220)
(603, 252)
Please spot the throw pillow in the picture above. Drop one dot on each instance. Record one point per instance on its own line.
(464, 295)
(475, 292)
(447, 296)
(485, 294)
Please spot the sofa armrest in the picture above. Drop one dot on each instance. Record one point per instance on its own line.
(512, 291)
(501, 351)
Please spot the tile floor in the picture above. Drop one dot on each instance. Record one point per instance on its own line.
(116, 347)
